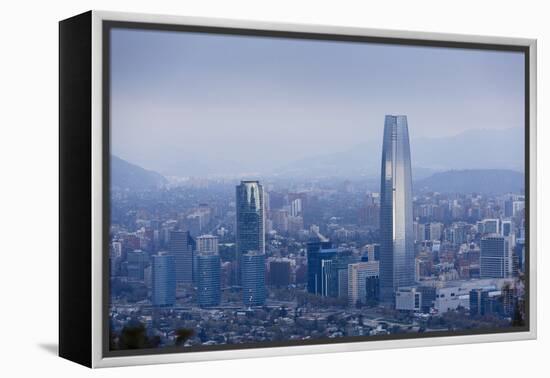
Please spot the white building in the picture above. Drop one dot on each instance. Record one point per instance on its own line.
(450, 298)
(453, 294)
(408, 299)
(357, 280)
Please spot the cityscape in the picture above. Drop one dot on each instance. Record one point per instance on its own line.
(232, 261)
(272, 191)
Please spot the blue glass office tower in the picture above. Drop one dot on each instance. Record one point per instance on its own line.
(253, 278)
(323, 265)
(182, 246)
(163, 279)
(319, 254)
(137, 261)
(209, 289)
(250, 232)
(396, 210)
(479, 299)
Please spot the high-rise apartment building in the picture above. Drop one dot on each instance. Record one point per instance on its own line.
(207, 243)
(494, 256)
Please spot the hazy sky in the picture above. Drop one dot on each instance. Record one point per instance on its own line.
(193, 97)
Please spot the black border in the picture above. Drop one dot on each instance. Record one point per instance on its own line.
(108, 25)
(75, 189)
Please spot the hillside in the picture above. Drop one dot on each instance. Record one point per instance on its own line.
(473, 180)
(125, 175)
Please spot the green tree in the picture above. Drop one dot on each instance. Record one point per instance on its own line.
(133, 337)
(182, 335)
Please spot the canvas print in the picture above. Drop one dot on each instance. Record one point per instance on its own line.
(279, 191)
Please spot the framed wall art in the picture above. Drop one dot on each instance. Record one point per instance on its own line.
(232, 189)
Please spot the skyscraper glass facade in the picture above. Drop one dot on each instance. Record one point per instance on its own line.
(209, 289)
(493, 262)
(319, 255)
(181, 247)
(136, 262)
(164, 280)
(250, 233)
(253, 278)
(396, 210)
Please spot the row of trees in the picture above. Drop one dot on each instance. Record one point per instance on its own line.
(134, 336)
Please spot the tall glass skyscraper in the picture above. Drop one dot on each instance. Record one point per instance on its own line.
(396, 210)
(253, 278)
(164, 280)
(181, 246)
(209, 289)
(208, 271)
(250, 221)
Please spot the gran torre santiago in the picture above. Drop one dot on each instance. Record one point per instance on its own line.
(396, 210)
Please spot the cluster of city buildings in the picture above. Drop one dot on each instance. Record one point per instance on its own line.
(431, 254)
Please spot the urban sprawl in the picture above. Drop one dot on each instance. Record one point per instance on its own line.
(221, 262)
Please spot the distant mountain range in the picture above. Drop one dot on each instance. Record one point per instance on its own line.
(494, 181)
(475, 149)
(125, 175)
(363, 161)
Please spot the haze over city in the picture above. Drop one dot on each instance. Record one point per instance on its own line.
(186, 103)
(316, 190)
